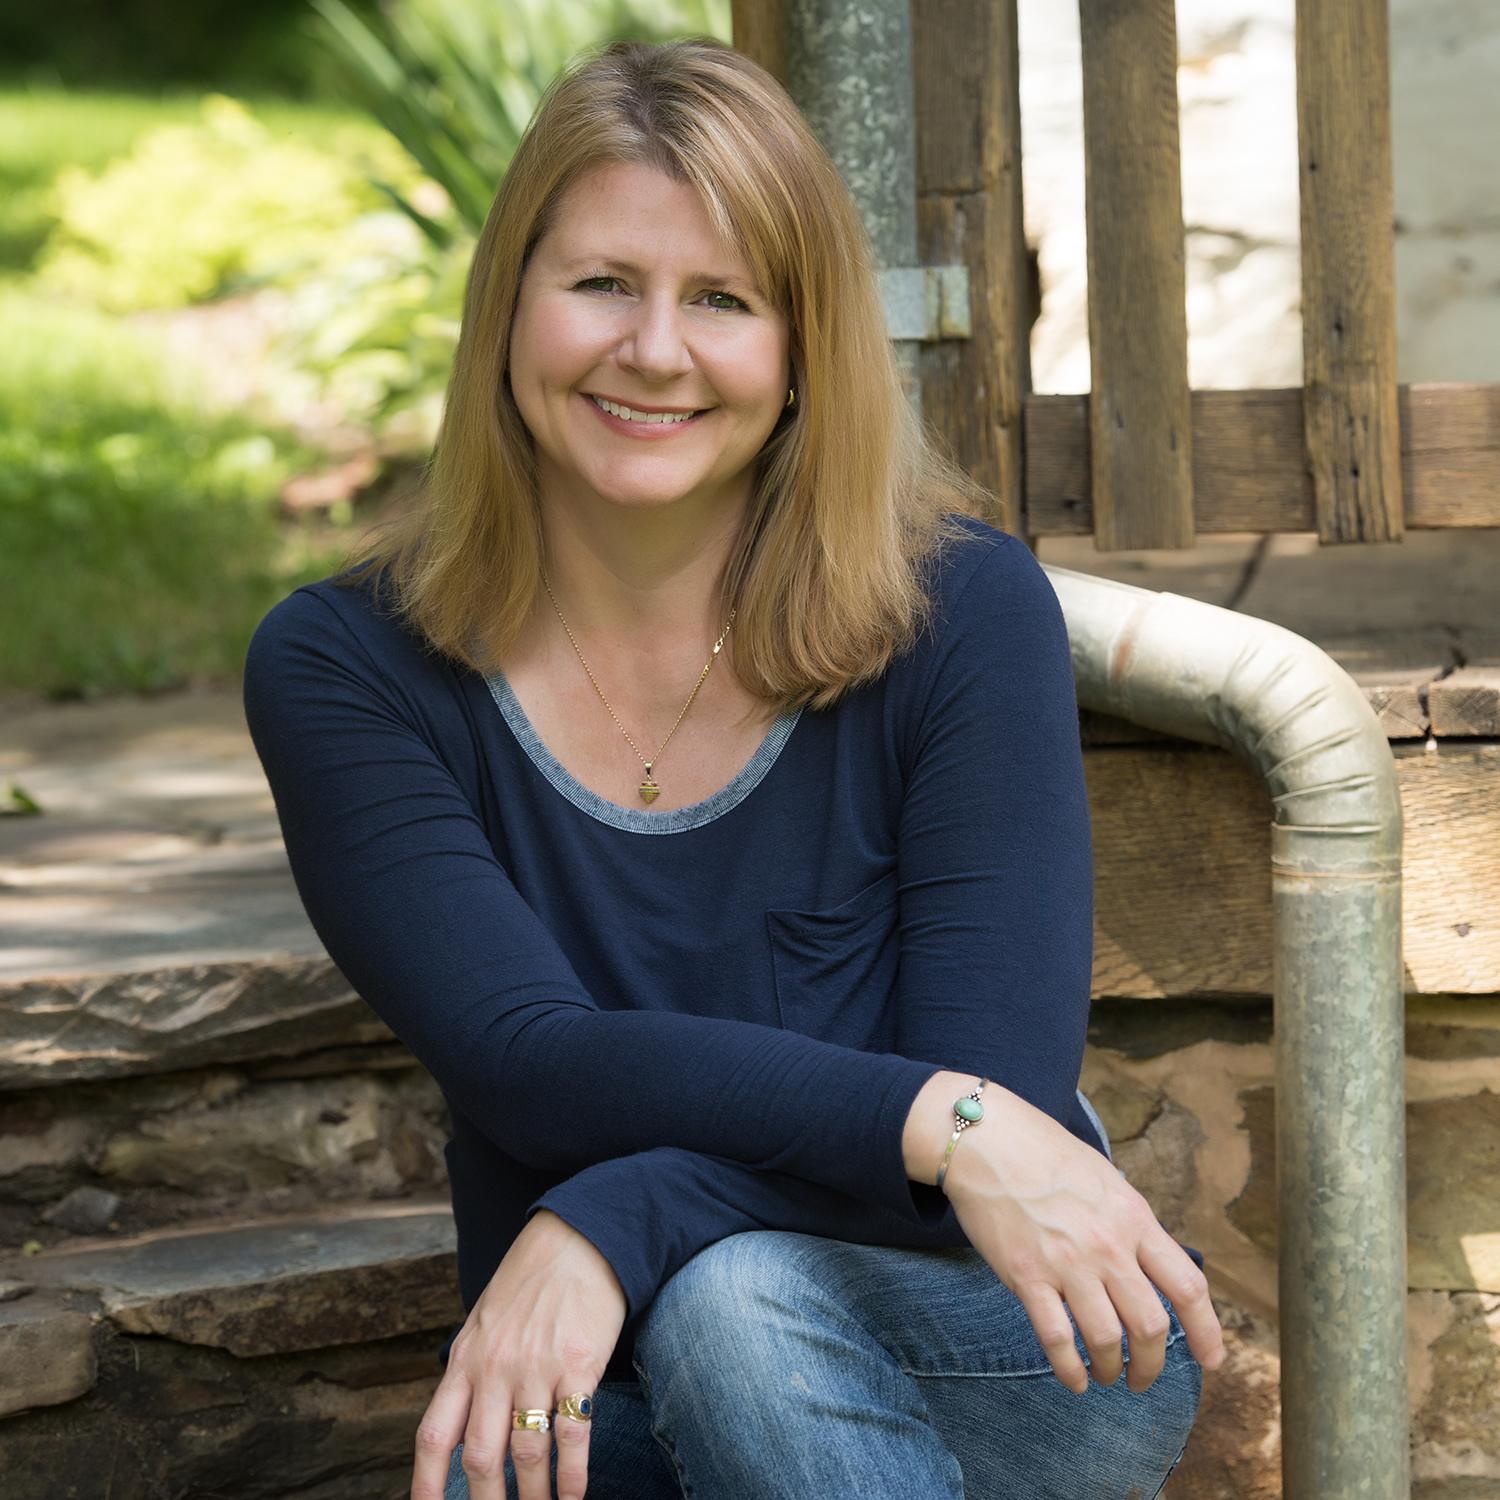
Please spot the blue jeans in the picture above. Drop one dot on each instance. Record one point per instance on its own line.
(781, 1365)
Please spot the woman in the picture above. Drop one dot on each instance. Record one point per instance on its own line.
(725, 967)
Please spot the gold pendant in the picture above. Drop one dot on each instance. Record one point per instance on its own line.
(648, 789)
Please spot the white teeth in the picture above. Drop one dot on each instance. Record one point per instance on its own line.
(629, 414)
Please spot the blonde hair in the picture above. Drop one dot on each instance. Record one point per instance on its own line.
(826, 575)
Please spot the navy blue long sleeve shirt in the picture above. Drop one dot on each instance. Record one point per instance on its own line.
(667, 1027)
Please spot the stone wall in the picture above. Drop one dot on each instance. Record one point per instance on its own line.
(1186, 1090)
(226, 1281)
(274, 1136)
(167, 1345)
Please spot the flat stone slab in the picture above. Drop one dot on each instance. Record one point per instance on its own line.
(148, 918)
(157, 846)
(348, 1276)
(46, 1352)
(117, 1025)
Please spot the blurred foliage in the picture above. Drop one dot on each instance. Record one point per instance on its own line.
(198, 211)
(455, 81)
(366, 309)
(42, 131)
(138, 536)
(256, 46)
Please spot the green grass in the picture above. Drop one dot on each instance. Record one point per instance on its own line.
(139, 541)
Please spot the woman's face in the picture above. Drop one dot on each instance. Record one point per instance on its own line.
(645, 361)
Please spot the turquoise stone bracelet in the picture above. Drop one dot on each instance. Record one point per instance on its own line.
(967, 1111)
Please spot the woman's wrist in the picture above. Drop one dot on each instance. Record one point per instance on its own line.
(930, 1122)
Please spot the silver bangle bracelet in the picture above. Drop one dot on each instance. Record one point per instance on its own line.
(967, 1111)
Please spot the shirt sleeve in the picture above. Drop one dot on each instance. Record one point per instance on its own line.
(404, 890)
(995, 859)
(649, 1214)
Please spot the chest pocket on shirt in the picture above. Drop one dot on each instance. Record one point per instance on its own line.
(836, 970)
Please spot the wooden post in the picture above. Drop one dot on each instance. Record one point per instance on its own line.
(1348, 268)
(759, 31)
(967, 85)
(1140, 418)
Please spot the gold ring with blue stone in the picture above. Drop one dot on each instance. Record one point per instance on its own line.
(579, 1406)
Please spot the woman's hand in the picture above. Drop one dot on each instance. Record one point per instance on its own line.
(543, 1329)
(1065, 1232)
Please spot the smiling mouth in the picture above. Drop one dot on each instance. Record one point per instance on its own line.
(630, 414)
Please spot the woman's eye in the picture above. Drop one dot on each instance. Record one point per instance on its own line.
(722, 301)
(597, 284)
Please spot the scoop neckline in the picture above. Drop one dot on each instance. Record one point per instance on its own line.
(629, 819)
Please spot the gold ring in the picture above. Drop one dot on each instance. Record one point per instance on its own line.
(579, 1406)
(530, 1421)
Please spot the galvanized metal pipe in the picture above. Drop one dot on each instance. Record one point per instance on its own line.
(848, 66)
(1208, 674)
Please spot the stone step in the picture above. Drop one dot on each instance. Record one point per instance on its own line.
(162, 1020)
(354, 1274)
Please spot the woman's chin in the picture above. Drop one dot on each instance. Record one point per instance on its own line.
(645, 497)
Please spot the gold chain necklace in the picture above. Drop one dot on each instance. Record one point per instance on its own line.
(648, 789)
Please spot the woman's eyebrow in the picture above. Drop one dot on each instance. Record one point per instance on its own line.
(576, 264)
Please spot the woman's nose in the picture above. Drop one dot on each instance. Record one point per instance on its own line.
(655, 345)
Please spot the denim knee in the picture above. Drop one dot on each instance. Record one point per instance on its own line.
(763, 1382)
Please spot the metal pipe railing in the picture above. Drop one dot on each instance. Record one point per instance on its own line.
(1209, 674)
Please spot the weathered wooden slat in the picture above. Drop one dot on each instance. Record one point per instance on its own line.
(1140, 418)
(1399, 700)
(1249, 469)
(1450, 454)
(759, 31)
(1466, 702)
(1182, 861)
(1182, 873)
(1451, 898)
(966, 74)
(1348, 268)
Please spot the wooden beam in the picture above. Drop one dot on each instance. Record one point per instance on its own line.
(1450, 454)
(966, 72)
(1140, 420)
(1249, 468)
(1182, 861)
(759, 31)
(1348, 268)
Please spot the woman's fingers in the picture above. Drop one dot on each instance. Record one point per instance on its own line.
(530, 1450)
(572, 1438)
(1147, 1324)
(1049, 1321)
(1094, 1315)
(1186, 1288)
(440, 1432)
(486, 1439)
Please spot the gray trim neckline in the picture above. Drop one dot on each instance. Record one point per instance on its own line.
(672, 820)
